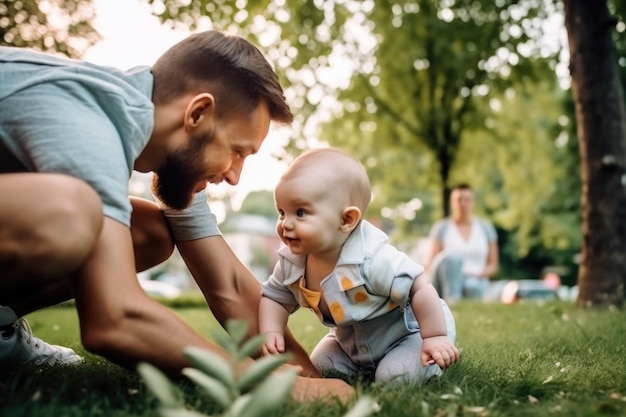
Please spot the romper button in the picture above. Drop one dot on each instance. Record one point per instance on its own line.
(363, 349)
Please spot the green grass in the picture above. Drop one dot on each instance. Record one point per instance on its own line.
(516, 360)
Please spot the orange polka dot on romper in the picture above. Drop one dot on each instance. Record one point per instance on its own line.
(346, 283)
(360, 296)
(336, 311)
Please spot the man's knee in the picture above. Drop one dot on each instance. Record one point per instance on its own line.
(152, 239)
(74, 224)
(52, 231)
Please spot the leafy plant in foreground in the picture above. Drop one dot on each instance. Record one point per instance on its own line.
(256, 392)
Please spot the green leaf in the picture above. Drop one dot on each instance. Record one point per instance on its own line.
(179, 412)
(214, 388)
(212, 364)
(160, 386)
(251, 347)
(224, 340)
(270, 395)
(237, 329)
(260, 370)
(238, 405)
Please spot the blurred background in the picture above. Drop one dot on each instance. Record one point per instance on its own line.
(426, 93)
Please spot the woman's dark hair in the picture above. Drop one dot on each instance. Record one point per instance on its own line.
(461, 186)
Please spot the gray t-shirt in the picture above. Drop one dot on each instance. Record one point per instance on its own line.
(71, 117)
(91, 122)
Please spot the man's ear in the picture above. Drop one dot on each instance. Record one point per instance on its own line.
(200, 108)
(350, 218)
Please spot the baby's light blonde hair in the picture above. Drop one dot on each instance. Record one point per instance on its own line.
(339, 170)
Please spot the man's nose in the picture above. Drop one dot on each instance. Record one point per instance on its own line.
(234, 172)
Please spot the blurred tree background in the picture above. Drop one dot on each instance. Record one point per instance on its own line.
(63, 26)
(427, 93)
(430, 93)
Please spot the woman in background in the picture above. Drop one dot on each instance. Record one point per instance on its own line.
(463, 253)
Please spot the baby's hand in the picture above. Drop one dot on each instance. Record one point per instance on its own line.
(274, 343)
(439, 350)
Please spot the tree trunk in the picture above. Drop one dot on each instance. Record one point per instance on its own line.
(445, 163)
(601, 129)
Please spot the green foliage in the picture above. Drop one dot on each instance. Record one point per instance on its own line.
(527, 359)
(53, 26)
(618, 10)
(188, 299)
(427, 117)
(260, 203)
(257, 392)
(535, 197)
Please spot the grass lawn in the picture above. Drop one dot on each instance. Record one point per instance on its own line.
(516, 360)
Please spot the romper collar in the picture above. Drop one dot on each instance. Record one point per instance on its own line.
(361, 244)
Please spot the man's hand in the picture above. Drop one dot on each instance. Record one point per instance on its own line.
(274, 343)
(328, 390)
(439, 350)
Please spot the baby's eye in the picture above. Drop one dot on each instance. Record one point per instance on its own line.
(300, 213)
(281, 213)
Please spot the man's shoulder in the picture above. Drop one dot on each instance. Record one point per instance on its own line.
(24, 56)
(15, 54)
(23, 68)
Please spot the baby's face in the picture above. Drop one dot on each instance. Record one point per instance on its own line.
(309, 214)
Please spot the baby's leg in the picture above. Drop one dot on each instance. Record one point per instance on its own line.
(402, 362)
(328, 358)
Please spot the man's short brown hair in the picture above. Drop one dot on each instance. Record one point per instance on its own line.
(229, 67)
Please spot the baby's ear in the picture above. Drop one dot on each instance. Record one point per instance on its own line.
(350, 218)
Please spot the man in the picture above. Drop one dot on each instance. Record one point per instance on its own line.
(70, 135)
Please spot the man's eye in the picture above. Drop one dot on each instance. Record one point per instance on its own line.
(300, 213)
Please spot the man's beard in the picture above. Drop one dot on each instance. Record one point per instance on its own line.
(173, 183)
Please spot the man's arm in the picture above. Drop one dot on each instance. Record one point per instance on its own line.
(117, 319)
(120, 322)
(231, 290)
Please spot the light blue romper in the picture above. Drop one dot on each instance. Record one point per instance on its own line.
(373, 329)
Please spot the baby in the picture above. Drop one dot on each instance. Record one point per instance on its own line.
(387, 321)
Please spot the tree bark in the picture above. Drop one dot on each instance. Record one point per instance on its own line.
(601, 129)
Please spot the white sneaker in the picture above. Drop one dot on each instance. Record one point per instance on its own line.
(20, 346)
